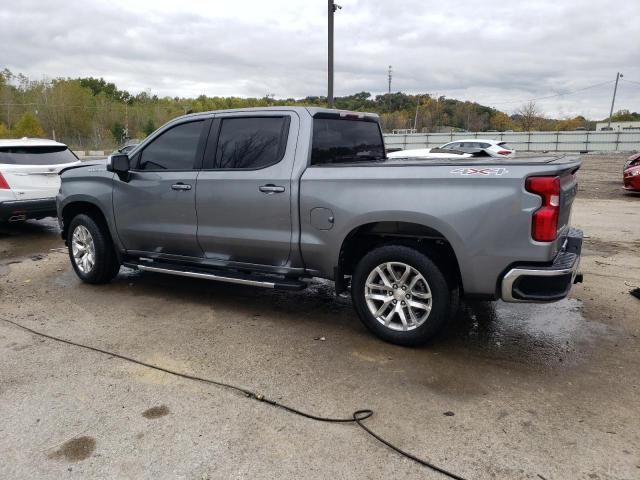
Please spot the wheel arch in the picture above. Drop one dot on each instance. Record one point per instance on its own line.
(424, 238)
(87, 207)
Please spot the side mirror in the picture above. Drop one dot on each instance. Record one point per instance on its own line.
(119, 163)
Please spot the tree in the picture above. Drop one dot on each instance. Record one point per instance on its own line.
(500, 121)
(528, 116)
(28, 126)
(99, 85)
(4, 131)
(569, 124)
(117, 130)
(624, 116)
(149, 127)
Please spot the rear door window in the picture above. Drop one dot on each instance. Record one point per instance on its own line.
(51, 155)
(453, 146)
(251, 142)
(337, 140)
(174, 149)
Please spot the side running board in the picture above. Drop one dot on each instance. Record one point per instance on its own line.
(263, 281)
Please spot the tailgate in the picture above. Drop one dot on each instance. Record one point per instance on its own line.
(568, 192)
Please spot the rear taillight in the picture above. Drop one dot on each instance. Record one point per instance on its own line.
(3, 183)
(544, 227)
(504, 152)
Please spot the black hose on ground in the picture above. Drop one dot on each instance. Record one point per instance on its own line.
(357, 417)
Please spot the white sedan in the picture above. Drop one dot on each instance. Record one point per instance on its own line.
(29, 178)
(464, 148)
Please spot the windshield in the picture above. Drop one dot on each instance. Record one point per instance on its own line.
(53, 155)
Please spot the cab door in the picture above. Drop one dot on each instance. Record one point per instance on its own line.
(154, 207)
(243, 199)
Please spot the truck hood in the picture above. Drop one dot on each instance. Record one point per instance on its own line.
(98, 165)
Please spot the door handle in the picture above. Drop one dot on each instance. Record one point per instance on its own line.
(180, 186)
(270, 188)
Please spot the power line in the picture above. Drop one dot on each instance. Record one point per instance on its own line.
(554, 95)
(626, 80)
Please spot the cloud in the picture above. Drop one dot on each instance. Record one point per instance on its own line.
(494, 52)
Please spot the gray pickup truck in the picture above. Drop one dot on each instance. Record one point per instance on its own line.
(272, 197)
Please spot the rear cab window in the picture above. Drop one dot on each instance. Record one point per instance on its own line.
(346, 139)
(37, 155)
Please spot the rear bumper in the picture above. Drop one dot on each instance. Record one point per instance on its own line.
(15, 210)
(550, 283)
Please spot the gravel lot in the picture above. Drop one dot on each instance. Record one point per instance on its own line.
(536, 391)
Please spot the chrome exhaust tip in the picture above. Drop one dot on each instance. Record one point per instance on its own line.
(17, 218)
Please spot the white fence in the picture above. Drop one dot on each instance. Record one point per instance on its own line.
(582, 141)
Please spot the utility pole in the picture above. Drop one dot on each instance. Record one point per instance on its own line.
(332, 7)
(415, 120)
(125, 133)
(390, 76)
(613, 100)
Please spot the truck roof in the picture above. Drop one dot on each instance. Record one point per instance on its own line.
(29, 142)
(304, 110)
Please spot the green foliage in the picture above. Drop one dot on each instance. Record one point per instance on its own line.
(149, 127)
(4, 131)
(117, 130)
(93, 113)
(624, 116)
(99, 85)
(28, 126)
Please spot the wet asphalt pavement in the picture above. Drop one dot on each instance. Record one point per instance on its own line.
(506, 391)
(532, 334)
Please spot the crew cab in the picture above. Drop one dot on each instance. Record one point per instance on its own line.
(29, 178)
(272, 197)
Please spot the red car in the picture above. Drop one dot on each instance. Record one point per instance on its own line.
(631, 173)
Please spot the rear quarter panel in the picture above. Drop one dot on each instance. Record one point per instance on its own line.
(485, 218)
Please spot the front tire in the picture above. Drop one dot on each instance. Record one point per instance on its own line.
(91, 250)
(401, 295)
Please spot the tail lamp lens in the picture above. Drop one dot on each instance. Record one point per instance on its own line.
(3, 183)
(544, 225)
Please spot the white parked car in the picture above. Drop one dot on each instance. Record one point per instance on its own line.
(493, 148)
(29, 178)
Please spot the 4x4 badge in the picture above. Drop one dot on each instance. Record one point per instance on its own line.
(479, 171)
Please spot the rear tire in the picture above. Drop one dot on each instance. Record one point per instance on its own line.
(91, 250)
(401, 295)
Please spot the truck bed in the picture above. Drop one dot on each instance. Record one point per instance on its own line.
(520, 160)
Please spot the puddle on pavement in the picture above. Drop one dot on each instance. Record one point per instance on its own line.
(552, 335)
(32, 237)
(538, 335)
(533, 335)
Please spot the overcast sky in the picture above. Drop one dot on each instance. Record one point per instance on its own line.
(496, 52)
